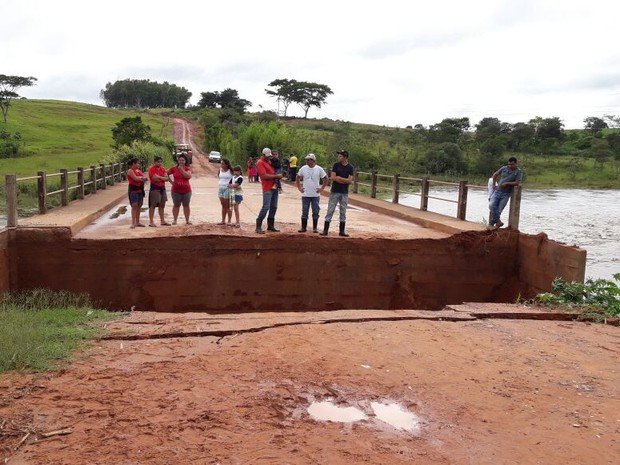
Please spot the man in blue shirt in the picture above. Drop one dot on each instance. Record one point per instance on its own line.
(505, 179)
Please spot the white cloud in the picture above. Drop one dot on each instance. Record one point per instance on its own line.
(391, 62)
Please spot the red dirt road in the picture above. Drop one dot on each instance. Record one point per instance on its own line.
(235, 389)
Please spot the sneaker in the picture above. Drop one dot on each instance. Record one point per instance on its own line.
(498, 225)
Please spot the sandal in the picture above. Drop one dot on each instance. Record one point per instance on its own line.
(165, 223)
(189, 223)
(237, 226)
(221, 223)
(152, 225)
(140, 225)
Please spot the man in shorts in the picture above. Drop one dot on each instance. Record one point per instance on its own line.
(157, 192)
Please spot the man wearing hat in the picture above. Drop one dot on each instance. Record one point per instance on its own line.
(268, 177)
(341, 177)
(311, 174)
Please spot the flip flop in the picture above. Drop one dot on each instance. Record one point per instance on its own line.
(140, 225)
(165, 224)
(220, 224)
(152, 225)
(189, 223)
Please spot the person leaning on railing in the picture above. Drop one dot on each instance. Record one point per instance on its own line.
(505, 178)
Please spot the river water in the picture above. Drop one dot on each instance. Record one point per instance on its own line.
(587, 218)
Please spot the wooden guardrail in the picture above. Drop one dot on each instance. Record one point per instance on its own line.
(395, 183)
(99, 177)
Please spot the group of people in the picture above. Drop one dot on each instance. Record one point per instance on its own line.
(181, 190)
(310, 181)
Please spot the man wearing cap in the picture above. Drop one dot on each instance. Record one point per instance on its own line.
(268, 177)
(311, 174)
(341, 177)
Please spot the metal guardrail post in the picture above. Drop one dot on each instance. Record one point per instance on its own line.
(515, 208)
(11, 200)
(42, 191)
(80, 181)
(395, 188)
(424, 189)
(104, 184)
(64, 187)
(461, 210)
(355, 181)
(373, 185)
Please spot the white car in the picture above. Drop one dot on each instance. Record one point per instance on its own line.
(215, 157)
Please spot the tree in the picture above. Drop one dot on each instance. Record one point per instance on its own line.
(283, 92)
(594, 124)
(448, 130)
(143, 93)
(228, 98)
(8, 90)
(310, 94)
(129, 130)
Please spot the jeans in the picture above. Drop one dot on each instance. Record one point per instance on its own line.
(496, 205)
(270, 204)
(306, 202)
(336, 198)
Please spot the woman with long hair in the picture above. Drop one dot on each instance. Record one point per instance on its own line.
(225, 175)
(181, 190)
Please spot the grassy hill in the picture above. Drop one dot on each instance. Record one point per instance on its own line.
(59, 134)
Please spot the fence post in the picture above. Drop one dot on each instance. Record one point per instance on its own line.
(64, 187)
(112, 170)
(515, 208)
(355, 181)
(42, 191)
(461, 211)
(11, 200)
(93, 179)
(424, 189)
(395, 188)
(373, 185)
(104, 184)
(80, 181)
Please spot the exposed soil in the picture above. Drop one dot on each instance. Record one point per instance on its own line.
(235, 389)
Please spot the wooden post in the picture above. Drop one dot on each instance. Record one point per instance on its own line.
(424, 189)
(373, 185)
(461, 211)
(395, 188)
(112, 170)
(80, 181)
(42, 191)
(356, 177)
(93, 179)
(104, 183)
(515, 208)
(64, 187)
(11, 200)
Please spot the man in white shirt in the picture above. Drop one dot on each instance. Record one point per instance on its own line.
(311, 174)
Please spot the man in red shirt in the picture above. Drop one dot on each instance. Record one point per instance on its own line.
(268, 176)
(157, 192)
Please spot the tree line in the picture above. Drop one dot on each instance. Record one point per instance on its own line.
(143, 93)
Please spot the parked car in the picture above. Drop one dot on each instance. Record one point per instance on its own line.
(215, 157)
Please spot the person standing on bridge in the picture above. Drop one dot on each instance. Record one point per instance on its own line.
(311, 174)
(506, 178)
(292, 168)
(224, 175)
(136, 179)
(157, 191)
(268, 177)
(341, 177)
(181, 190)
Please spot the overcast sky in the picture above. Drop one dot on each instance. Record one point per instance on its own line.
(388, 62)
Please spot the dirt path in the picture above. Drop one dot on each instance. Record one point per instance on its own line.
(186, 132)
(236, 389)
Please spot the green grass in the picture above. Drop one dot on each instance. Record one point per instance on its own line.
(59, 134)
(40, 329)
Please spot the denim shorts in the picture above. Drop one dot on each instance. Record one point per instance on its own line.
(136, 197)
(222, 193)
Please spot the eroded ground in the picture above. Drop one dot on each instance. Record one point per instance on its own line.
(235, 389)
